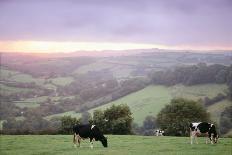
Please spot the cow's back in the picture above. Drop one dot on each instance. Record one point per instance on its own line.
(204, 127)
(83, 131)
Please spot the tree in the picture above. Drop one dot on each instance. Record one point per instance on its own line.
(226, 120)
(99, 119)
(119, 119)
(176, 117)
(114, 120)
(67, 123)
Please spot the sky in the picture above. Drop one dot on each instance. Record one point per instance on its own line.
(70, 25)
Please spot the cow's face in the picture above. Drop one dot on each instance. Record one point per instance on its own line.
(104, 142)
(215, 139)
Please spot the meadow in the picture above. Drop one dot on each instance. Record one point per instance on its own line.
(150, 100)
(118, 145)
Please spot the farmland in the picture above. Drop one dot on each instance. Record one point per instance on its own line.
(123, 145)
(152, 99)
(53, 86)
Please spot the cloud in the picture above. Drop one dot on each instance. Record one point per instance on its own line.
(171, 22)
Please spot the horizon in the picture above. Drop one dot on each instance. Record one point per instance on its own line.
(43, 47)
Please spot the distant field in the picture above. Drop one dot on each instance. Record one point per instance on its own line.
(118, 145)
(117, 69)
(198, 91)
(9, 90)
(34, 102)
(5, 73)
(69, 113)
(23, 104)
(150, 100)
(62, 81)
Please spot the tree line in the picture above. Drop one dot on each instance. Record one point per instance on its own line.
(195, 74)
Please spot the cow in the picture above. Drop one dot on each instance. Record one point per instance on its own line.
(203, 128)
(159, 132)
(88, 131)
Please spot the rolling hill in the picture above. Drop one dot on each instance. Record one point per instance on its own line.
(61, 85)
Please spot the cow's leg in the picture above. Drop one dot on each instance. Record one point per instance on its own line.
(192, 134)
(91, 143)
(195, 136)
(211, 139)
(79, 142)
(75, 140)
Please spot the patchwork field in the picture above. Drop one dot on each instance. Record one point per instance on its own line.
(123, 145)
(69, 113)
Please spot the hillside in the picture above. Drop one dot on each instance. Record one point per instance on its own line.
(50, 86)
(150, 100)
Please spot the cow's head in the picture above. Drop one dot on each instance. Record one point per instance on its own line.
(215, 138)
(104, 141)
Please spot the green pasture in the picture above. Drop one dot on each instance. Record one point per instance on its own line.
(117, 145)
(150, 100)
(196, 92)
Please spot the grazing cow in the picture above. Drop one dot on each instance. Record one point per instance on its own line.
(203, 128)
(88, 131)
(159, 132)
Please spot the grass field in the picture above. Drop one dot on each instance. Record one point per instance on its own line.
(117, 145)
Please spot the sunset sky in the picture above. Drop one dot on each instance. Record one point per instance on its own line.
(72, 25)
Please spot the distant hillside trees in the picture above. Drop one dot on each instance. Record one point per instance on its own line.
(226, 120)
(31, 125)
(175, 117)
(229, 82)
(195, 74)
(192, 75)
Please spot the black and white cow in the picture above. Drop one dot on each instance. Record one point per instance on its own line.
(88, 131)
(203, 128)
(159, 132)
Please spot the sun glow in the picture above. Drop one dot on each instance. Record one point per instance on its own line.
(48, 46)
(53, 47)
